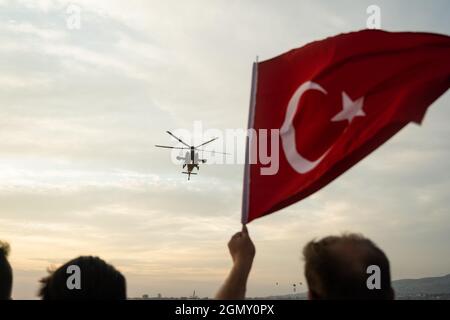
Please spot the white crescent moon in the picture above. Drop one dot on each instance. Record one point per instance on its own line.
(287, 131)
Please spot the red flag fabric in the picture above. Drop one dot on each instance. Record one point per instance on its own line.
(335, 101)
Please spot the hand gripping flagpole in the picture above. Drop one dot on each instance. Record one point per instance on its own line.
(251, 117)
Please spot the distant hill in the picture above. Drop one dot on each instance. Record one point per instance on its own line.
(434, 285)
(424, 288)
(294, 296)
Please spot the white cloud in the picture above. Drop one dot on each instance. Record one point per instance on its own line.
(81, 111)
(26, 28)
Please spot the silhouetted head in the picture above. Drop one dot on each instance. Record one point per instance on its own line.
(337, 268)
(84, 278)
(6, 275)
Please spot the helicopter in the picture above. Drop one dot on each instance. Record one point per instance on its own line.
(191, 158)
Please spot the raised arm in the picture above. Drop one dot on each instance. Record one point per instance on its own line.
(242, 252)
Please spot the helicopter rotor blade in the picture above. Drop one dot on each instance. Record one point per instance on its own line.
(213, 152)
(167, 147)
(178, 139)
(206, 142)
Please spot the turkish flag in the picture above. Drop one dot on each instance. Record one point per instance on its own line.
(333, 102)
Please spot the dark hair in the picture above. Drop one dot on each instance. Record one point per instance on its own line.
(98, 281)
(6, 275)
(335, 268)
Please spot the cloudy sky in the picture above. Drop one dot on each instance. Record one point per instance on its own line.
(82, 108)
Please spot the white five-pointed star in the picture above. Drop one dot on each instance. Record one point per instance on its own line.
(350, 109)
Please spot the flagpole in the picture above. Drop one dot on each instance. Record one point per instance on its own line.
(251, 115)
